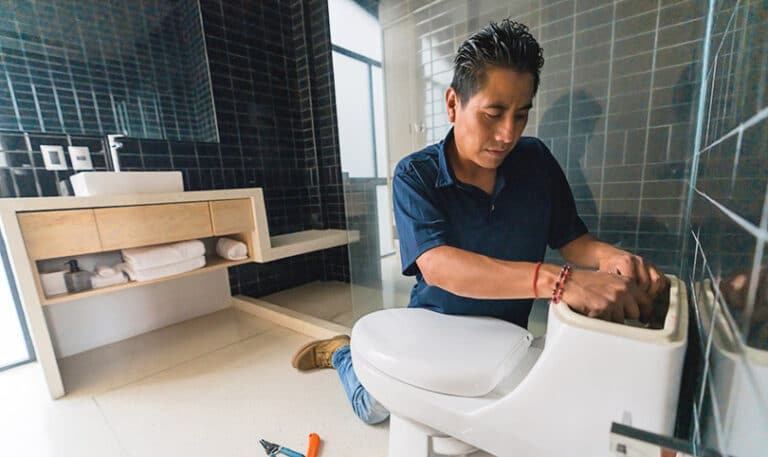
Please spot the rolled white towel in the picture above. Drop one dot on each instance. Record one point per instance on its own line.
(164, 254)
(166, 270)
(105, 271)
(101, 281)
(231, 249)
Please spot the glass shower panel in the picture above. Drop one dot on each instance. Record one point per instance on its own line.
(353, 109)
(13, 347)
(384, 205)
(358, 166)
(365, 161)
(379, 122)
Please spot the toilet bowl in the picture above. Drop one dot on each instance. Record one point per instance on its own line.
(454, 384)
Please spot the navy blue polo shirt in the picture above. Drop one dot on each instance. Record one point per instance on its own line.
(531, 207)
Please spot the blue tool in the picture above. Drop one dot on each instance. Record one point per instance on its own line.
(273, 450)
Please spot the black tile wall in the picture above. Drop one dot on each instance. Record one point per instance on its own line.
(319, 122)
(272, 82)
(24, 173)
(90, 67)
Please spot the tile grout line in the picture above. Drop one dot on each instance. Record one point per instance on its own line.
(607, 112)
(758, 232)
(759, 116)
(115, 435)
(648, 122)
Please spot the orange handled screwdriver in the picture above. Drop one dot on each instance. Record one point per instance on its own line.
(314, 445)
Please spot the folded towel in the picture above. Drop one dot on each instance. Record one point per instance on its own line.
(101, 281)
(166, 270)
(164, 254)
(105, 271)
(231, 249)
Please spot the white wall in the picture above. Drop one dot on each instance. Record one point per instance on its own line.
(87, 323)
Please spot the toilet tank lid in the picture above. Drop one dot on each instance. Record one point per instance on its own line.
(456, 355)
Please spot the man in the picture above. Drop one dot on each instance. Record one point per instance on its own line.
(476, 211)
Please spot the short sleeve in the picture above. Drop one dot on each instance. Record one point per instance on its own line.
(421, 225)
(565, 224)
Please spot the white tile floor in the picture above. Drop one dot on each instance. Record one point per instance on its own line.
(211, 386)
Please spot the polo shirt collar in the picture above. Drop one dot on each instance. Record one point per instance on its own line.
(445, 176)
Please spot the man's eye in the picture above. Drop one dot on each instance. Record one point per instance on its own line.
(521, 116)
(492, 116)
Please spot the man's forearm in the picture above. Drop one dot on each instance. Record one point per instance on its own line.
(472, 275)
(586, 251)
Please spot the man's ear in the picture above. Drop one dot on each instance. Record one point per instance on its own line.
(452, 104)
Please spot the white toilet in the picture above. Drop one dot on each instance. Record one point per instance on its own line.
(456, 384)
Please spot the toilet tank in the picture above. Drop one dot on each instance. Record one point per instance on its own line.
(591, 374)
(619, 373)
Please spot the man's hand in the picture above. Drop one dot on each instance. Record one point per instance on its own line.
(606, 296)
(735, 288)
(641, 271)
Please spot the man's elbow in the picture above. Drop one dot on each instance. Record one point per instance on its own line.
(429, 265)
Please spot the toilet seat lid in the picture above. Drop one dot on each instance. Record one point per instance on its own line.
(456, 355)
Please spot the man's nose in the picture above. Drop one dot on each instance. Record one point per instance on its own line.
(506, 131)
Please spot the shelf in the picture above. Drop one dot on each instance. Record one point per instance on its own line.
(212, 263)
(290, 244)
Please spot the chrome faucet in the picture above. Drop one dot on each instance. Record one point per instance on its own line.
(114, 145)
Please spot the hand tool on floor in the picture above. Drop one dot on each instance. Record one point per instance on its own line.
(273, 450)
(314, 445)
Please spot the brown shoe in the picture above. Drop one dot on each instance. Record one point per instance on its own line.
(317, 354)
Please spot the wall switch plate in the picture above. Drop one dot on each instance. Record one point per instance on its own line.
(80, 157)
(53, 156)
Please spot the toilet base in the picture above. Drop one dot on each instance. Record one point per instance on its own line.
(417, 440)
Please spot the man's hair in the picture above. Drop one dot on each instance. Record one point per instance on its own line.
(504, 45)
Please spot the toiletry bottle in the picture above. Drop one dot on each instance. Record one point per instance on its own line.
(77, 280)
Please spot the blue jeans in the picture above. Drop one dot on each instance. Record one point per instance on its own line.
(365, 406)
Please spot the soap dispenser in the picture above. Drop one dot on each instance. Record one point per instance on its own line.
(77, 280)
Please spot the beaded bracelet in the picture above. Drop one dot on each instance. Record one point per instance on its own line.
(557, 292)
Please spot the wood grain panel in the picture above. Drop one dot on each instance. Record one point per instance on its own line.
(232, 216)
(132, 226)
(50, 234)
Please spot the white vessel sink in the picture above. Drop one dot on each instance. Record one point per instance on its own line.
(127, 182)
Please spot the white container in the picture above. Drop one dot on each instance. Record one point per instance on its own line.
(128, 182)
(53, 283)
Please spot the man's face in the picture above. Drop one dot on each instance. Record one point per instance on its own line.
(488, 125)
